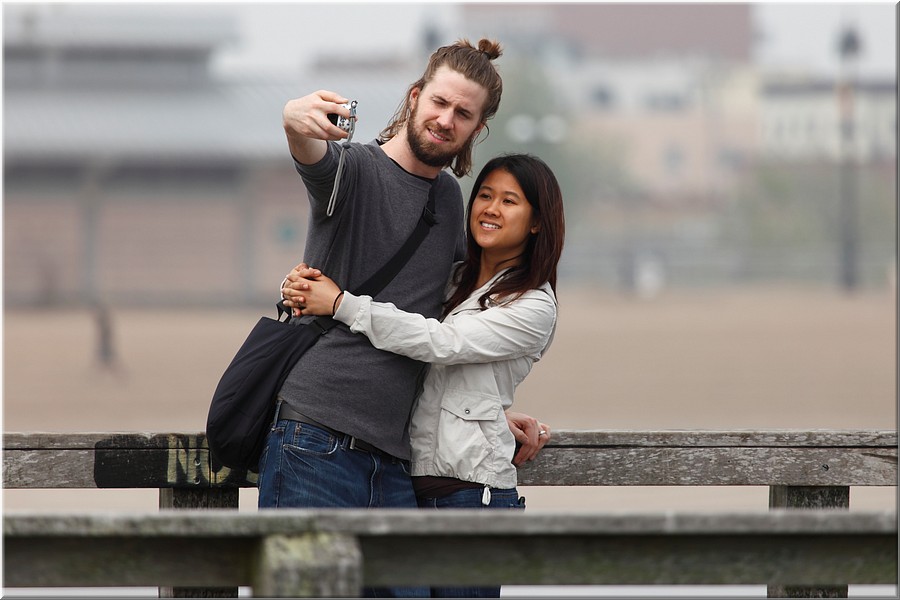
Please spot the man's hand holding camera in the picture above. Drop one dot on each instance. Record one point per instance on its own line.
(307, 125)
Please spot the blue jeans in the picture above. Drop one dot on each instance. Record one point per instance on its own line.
(304, 466)
(471, 498)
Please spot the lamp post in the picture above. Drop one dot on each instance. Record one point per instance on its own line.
(849, 47)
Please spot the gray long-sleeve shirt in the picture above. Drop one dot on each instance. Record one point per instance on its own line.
(343, 381)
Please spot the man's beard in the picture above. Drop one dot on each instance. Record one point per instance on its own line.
(423, 149)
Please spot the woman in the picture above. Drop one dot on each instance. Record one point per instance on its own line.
(499, 319)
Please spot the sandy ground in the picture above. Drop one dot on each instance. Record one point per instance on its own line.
(783, 358)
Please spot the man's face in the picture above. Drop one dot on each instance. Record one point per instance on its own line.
(445, 117)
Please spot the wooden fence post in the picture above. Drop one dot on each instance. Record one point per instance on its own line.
(808, 497)
(312, 565)
(199, 498)
(181, 498)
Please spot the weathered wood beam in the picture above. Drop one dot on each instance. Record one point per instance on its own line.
(790, 458)
(216, 548)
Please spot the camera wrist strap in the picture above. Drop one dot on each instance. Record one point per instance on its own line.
(337, 176)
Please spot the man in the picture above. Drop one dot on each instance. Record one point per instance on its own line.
(341, 436)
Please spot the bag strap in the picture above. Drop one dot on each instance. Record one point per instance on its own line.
(379, 280)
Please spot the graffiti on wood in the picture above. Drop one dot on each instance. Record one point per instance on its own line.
(180, 460)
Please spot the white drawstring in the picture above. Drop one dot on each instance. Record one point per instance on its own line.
(486, 496)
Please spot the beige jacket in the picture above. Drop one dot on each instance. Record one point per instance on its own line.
(478, 357)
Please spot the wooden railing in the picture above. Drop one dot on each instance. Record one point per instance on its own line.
(317, 553)
(787, 549)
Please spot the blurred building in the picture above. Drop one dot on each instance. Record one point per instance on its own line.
(134, 175)
(800, 120)
(619, 31)
(682, 123)
(670, 85)
(676, 86)
(131, 175)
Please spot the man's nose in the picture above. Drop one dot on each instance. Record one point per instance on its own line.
(445, 118)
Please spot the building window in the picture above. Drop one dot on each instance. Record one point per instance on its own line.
(287, 232)
(673, 159)
(44, 177)
(602, 97)
(730, 159)
(664, 102)
(156, 178)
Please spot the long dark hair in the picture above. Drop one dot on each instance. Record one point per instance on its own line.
(543, 249)
(475, 64)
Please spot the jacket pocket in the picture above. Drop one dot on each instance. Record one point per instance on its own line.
(471, 406)
(464, 446)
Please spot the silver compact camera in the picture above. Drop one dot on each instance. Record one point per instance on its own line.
(345, 123)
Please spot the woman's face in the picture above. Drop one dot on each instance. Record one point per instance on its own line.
(501, 219)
